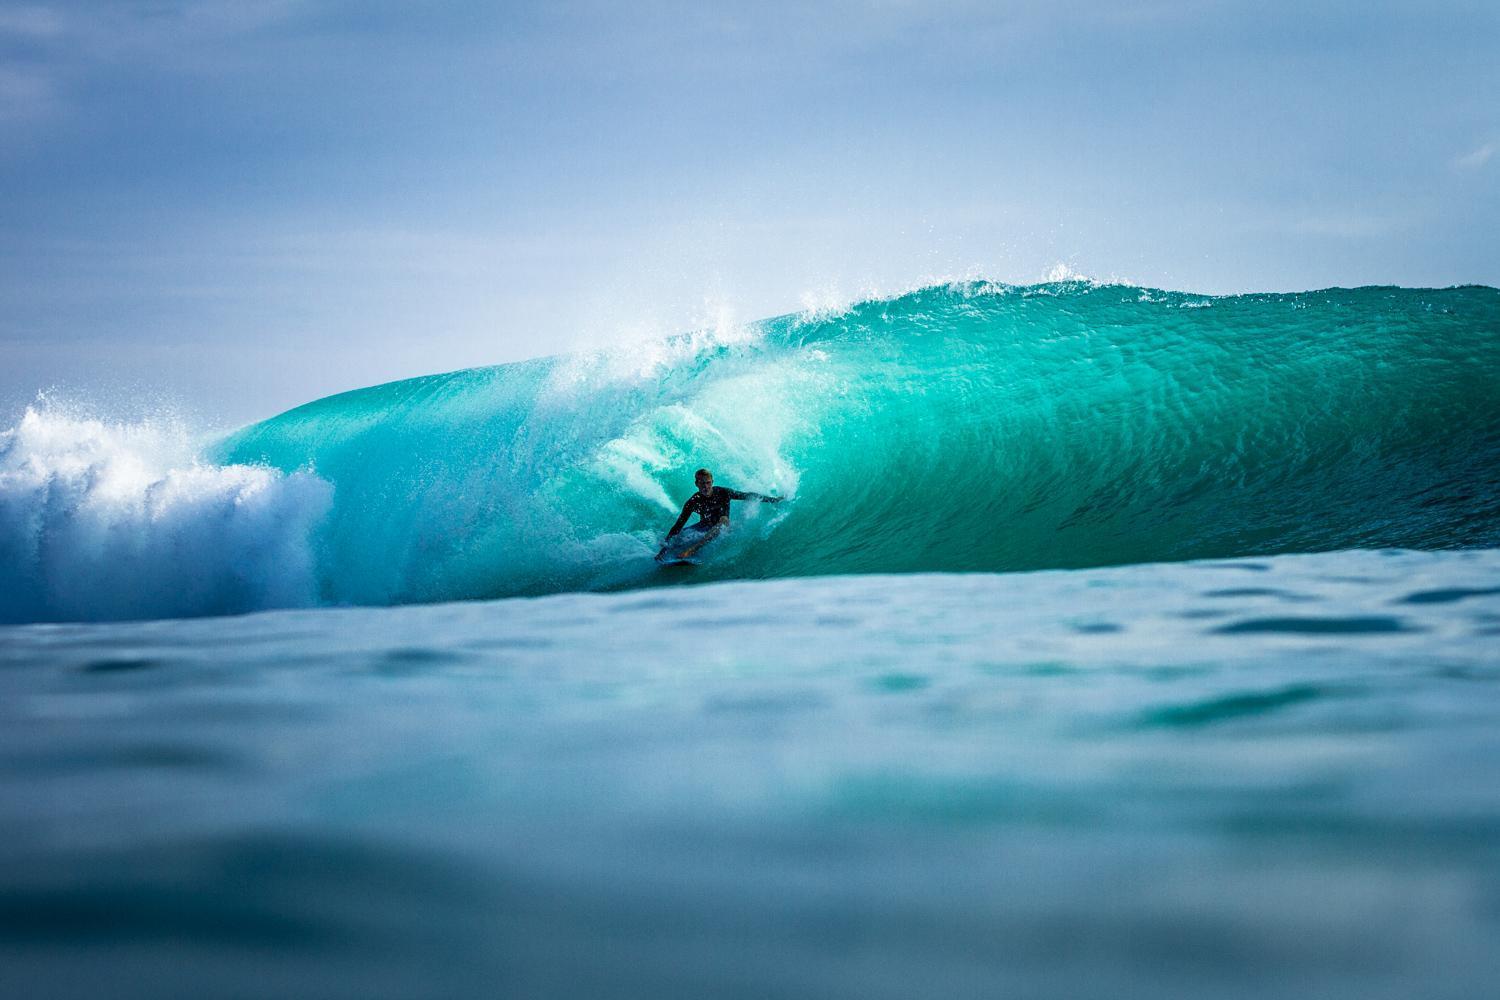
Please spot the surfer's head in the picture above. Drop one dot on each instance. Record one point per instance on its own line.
(704, 480)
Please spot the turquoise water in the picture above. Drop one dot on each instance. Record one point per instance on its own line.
(1112, 643)
(968, 427)
(1252, 778)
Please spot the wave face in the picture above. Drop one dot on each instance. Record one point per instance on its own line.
(960, 427)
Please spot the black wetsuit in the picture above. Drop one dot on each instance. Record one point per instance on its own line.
(710, 509)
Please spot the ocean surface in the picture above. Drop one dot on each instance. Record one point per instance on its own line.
(1112, 643)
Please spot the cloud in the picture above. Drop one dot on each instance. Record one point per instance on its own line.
(25, 94)
(132, 32)
(1345, 223)
(49, 53)
(31, 23)
(1477, 158)
(1350, 226)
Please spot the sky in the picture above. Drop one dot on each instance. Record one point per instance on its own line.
(229, 207)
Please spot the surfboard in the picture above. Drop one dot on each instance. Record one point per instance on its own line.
(673, 555)
(702, 548)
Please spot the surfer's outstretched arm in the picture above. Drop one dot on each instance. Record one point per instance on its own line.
(743, 495)
(687, 512)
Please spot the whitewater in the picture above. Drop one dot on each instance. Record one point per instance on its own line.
(962, 427)
(1112, 643)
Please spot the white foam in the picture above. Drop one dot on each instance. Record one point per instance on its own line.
(1061, 272)
(646, 357)
(106, 521)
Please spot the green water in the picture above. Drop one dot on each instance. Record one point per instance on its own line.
(962, 427)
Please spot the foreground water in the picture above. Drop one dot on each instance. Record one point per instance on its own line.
(1249, 778)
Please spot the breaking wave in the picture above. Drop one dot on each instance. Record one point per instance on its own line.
(960, 427)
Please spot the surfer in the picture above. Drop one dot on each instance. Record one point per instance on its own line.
(711, 504)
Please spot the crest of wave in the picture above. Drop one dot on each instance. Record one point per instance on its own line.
(108, 521)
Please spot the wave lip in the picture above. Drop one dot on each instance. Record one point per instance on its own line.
(101, 521)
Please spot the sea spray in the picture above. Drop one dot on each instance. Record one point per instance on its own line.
(101, 521)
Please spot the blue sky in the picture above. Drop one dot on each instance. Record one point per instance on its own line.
(234, 207)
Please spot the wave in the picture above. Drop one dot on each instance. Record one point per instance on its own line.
(107, 521)
(962, 427)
